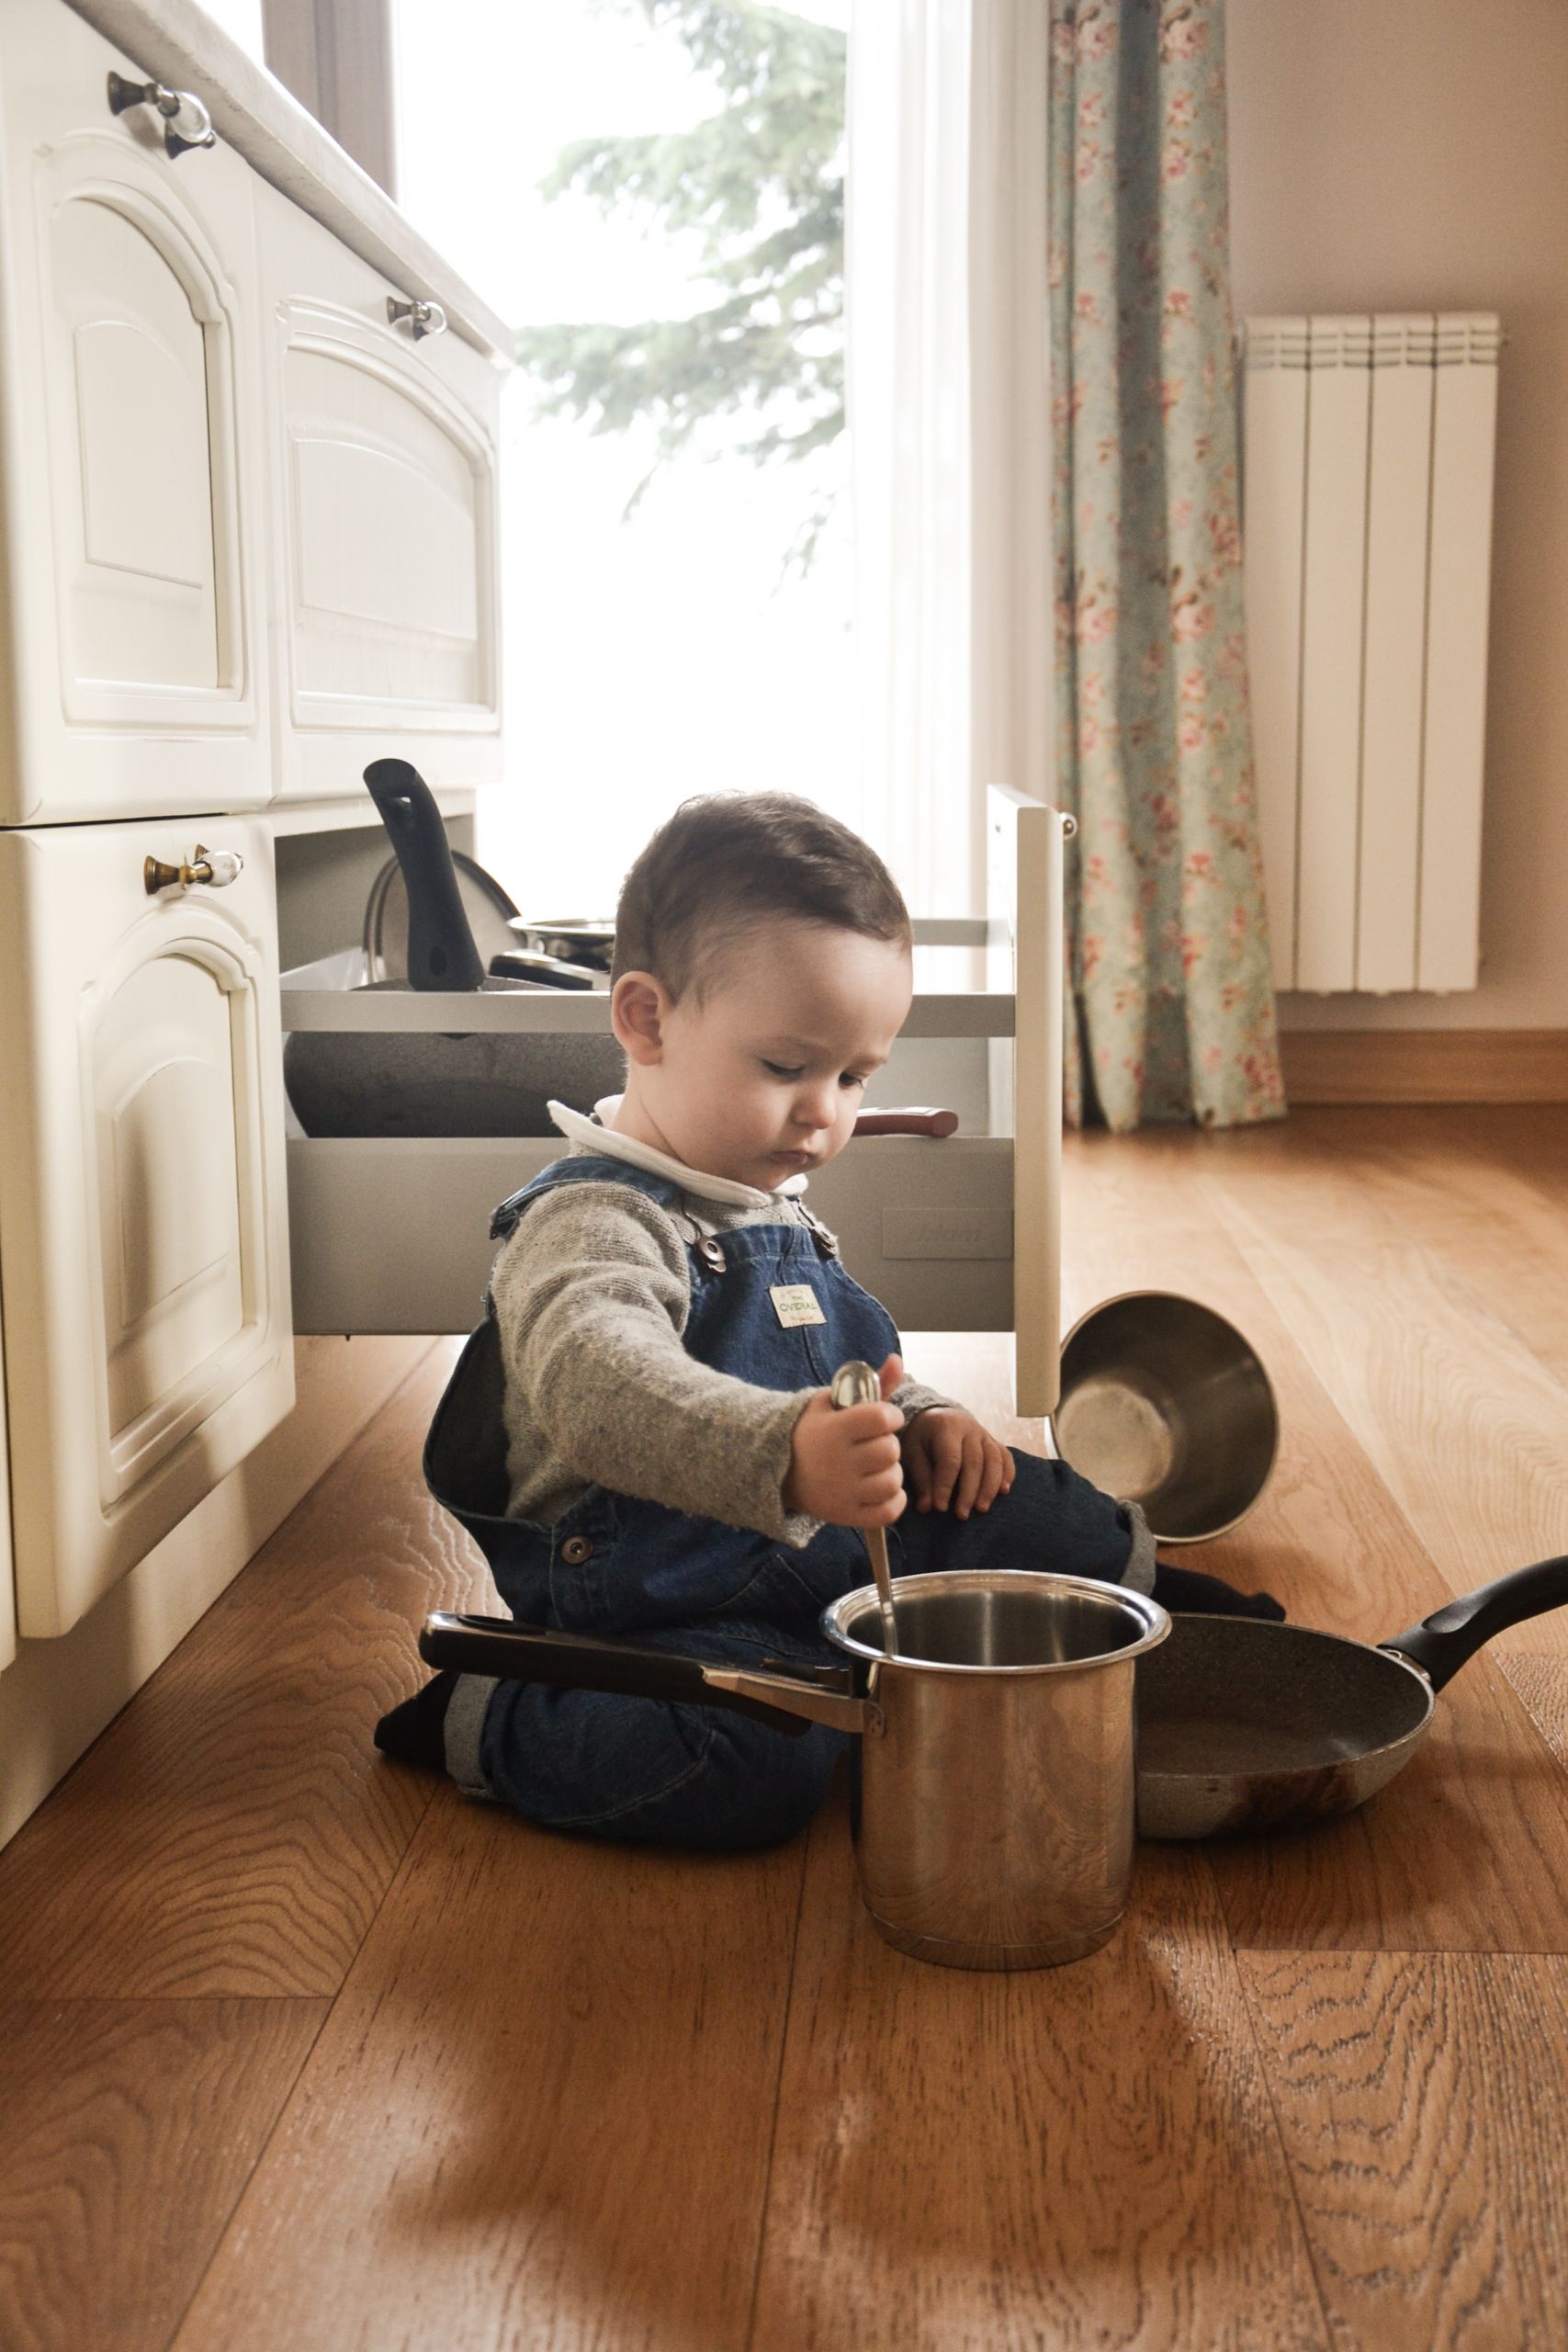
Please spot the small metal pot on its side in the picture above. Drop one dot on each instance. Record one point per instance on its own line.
(1165, 1403)
(995, 1817)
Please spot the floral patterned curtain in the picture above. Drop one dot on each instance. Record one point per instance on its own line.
(1168, 937)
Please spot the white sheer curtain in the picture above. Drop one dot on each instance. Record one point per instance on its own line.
(949, 417)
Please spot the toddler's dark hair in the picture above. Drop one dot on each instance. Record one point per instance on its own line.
(729, 860)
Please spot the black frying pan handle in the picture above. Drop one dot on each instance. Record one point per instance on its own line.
(441, 954)
(1450, 1636)
(574, 1662)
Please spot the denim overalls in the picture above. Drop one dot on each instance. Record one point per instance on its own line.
(613, 1564)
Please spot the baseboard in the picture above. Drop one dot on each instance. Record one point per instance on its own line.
(57, 1696)
(1425, 1065)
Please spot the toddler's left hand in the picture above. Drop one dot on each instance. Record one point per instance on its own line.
(949, 1459)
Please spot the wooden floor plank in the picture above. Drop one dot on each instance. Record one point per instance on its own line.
(1457, 1189)
(126, 2132)
(1466, 1427)
(1468, 1848)
(1424, 2103)
(1540, 1684)
(1532, 1139)
(539, 2114)
(1063, 2158)
(541, 2110)
(234, 1830)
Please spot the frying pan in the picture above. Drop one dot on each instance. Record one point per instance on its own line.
(411, 1083)
(1246, 1725)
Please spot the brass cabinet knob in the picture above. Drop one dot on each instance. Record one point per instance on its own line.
(216, 867)
(187, 122)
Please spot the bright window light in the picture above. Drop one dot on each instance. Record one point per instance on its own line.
(674, 648)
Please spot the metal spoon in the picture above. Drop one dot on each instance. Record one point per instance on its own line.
(857, 1383)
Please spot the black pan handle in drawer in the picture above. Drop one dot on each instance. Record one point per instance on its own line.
(441, 954)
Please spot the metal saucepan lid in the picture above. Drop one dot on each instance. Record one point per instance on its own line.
(571, 941)
(490, 911)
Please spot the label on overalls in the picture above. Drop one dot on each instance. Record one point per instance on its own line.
(795, 1302)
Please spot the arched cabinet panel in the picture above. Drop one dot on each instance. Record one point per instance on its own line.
(137, 541)
(386, 531)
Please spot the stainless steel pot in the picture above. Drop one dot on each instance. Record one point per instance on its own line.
(995, 1819)
(1165, 1403)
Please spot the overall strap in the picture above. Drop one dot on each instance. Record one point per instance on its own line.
(826, 1243)
(581, 1168)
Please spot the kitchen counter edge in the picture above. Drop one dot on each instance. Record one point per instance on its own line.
(177, 42)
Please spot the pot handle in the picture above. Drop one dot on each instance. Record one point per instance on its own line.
(1450, 1636)
(790, 1697)
(441, 954)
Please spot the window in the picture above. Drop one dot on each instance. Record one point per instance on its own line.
(677, 619)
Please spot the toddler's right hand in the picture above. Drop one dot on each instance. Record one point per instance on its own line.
(844, 1463)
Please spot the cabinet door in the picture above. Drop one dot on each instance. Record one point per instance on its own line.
(143, 1240)
(131, 491)
(385, 455)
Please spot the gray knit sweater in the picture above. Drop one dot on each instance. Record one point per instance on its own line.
(592, 1294)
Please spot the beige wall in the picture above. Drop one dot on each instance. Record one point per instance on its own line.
(1413, 154)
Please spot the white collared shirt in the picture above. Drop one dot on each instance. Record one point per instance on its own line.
(596, 1133)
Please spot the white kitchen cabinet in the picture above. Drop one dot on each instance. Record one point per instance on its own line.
(131, 507)
(385, 545)
(230, 505)
(144, 1262)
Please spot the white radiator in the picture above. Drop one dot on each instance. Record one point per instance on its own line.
(1366, 526)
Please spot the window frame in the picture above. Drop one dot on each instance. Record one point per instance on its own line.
(337, 56)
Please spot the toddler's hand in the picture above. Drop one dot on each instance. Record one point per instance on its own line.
(950, 1459)
(844, 1462)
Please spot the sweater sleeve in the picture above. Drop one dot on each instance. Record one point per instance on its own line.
(592, 1294)
(912, 1397)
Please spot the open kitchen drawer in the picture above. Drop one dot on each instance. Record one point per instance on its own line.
(391, 1234)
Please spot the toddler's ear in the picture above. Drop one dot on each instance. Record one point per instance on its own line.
(637, 1015)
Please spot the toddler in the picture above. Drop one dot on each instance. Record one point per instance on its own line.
(640, 1434)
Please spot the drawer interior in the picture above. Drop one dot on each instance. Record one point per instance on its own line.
(392, 1233)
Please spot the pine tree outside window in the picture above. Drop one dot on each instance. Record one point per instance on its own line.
(653, 191)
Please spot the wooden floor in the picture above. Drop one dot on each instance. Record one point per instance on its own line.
(302, 2050)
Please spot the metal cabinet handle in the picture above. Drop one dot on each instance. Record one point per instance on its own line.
(421, 318)
(187, 122)
(216, 867)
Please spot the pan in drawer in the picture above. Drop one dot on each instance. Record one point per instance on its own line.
(367, 1060)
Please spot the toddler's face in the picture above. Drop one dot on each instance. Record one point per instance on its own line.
(762, 1078)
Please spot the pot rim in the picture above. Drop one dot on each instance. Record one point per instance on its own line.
(1156, 1620)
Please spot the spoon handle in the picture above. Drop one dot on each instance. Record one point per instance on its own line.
(855, 1384)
